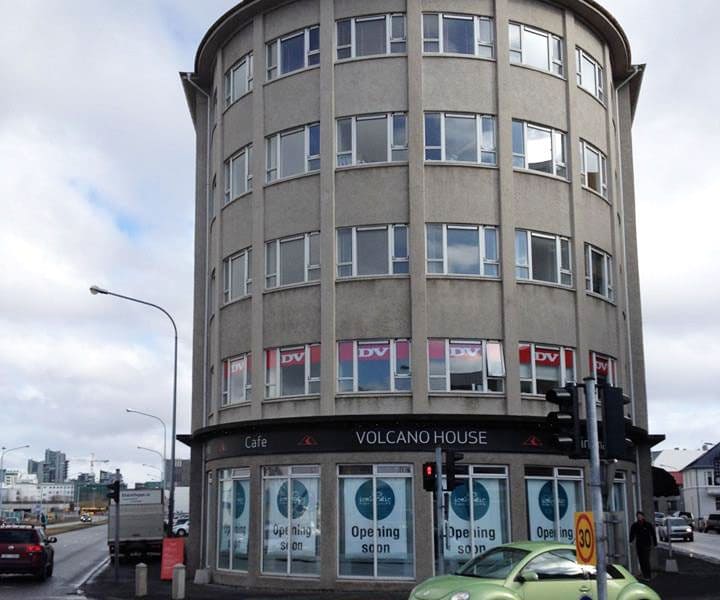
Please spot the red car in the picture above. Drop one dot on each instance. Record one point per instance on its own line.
(25, 549)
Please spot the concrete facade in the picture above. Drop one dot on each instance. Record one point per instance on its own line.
(417, 305)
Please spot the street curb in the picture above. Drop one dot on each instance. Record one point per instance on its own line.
(72, 527)
(690, 553)
(94, 572)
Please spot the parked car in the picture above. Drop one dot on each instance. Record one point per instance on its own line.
(25, 549)
(529, 570)
(181, 527)
(85, 518)
(712, 523)
(658, 518)
(685, 515)
(673, 528)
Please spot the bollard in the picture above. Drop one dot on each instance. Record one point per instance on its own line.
(178, 582)
(140, 580)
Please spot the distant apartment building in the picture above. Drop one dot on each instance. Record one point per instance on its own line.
(54, 469)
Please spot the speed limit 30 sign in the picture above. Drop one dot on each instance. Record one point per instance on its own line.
(585, 538)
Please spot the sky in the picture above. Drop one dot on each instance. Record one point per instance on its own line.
(96, 187)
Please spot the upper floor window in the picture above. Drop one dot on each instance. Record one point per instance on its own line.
(237, 276)
(590, 74)
(237, 379)
(466, 365)
(292, 371)
(238, 79)
(458, 34)
(536, 48)
(545, 367)
(460, 137)
(371, 36)
(374, 366)
(292, 260)
(593, 166)
(598, 272)
(238, 174)
(603, 368)
(293, 52)
(372, 250)
(538, 148)
(462, 250)
(542, 257)
(372, 139)
(293, 152)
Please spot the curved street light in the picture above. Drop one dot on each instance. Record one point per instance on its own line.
(164, 454)
(3, 452)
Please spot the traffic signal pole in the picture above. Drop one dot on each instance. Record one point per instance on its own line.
(439, 521)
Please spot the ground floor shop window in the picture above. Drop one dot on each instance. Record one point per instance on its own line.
(233, 518)
(553, 496)
(474, 526)
(375, 521)
(291, 520)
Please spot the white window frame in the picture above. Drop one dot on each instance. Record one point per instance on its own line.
(394, 374)
(389, 40)
(273, 54)
(558, 475)
(564, 380)
(586, 147)
(273, 148)
(555, 66)
(309, 380)
(227, 392)
(559, 242)
(392, 258)
(480, 145)
(308, 266)
(246, 257)
(608, 291)
(232, 73)
(486, 375)
(391, 144)
(560, 167)
(230, 193)
(598, 90)
(484, 261)
(478, 42)
(612, 377)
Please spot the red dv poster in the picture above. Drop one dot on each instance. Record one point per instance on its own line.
(173, 553)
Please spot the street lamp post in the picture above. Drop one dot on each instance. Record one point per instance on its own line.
(3, 452)
(164, 454)
(171, 500)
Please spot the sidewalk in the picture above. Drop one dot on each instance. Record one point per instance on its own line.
(697, 579)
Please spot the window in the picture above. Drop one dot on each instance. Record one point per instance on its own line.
(593, 168)
(239, 79)
(542, 257)
(536, 48)
(291, 520)
(466, 365)
(543, 367)
(376, 250)
(288, 372)
(375, 521)
(553, 497)
(458, 34)
(589, 74)
(374, 366)
(237, 276)
(372, 139)
(211, 199)
(238, 174)
(293, 52)
(292, 260)
(599, 272)
(457, 137)
(603, 369)
(462, 250)
(293, 152)
(371, 36)
(233, 518)
(538, 148)
(237, 379)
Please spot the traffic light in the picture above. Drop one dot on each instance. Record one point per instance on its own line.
(616, 427)
(114, 493)
(429, 476)
(566, 420)
(451, 469)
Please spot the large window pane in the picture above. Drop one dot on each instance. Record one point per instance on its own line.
(240, 79)
(463, 251)
(435, 248)
(547, 368)
(395, 556)
(344, 250)
(436, 357)
(241, 523)
(238, 175)
(292, 153)
(292, 372)
(592, 169)
(237, 381)
(535, 49)
(518, 144)
(458, 35)
(539, 150)
(460, 139)
(292, 53)
(371, 140)
(544, 259)
(356, 510)
(346, 356)
(551, 512)
(237, 277)
(466, 366)
(433, 137)
(373, 360)
(370, 37)
(292, 261)
(598, 272)
(225, 524)
(372, 252)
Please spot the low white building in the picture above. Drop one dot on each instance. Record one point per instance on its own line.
(21, 487)
(701, 484)
(57, 492)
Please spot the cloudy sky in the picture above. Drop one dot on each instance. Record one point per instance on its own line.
(96, 187)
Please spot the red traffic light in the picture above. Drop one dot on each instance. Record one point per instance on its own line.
(429, 476)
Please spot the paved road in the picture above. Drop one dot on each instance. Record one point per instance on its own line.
(705, 545)
(76, 554)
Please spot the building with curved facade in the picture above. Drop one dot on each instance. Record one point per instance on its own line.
(413, 218)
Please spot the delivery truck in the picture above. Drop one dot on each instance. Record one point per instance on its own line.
(142, 523)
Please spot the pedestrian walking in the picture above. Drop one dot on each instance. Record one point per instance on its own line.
(643, 534)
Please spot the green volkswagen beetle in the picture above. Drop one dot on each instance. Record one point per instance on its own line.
(530, 571)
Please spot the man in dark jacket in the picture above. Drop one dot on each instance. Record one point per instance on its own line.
(643, 534)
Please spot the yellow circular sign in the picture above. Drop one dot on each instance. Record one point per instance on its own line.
(585, 538)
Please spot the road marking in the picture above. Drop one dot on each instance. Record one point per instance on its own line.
(92, 572)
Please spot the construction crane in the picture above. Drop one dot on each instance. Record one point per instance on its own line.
(92, 460)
